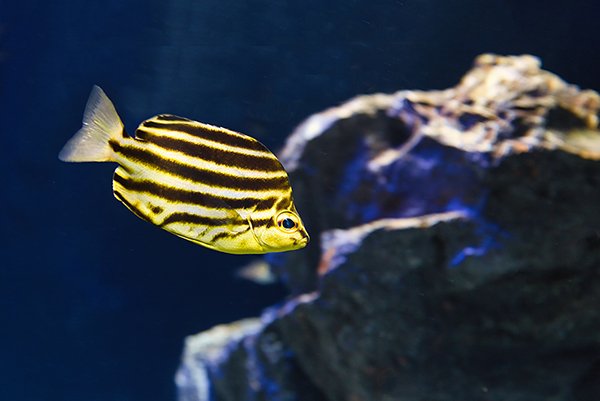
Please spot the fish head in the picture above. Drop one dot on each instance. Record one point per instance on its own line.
(283, 232)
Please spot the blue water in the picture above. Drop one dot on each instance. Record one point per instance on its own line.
(95, 303)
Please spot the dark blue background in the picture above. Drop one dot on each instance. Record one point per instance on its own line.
(95, 303)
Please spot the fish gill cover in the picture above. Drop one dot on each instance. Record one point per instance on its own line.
(498, 178)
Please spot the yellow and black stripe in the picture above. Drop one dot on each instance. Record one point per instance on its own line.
(210, 185)
(189, 178)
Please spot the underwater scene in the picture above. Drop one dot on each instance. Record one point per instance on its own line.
(259, 200)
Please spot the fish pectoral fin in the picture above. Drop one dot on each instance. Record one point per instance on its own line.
(240, 217)
(234, 220)
(240, 229)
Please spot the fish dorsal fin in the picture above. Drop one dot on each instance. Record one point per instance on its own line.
(169, 117)
(160, 120)
(171, 126)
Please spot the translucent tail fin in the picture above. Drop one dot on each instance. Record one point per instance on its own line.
(100, 124)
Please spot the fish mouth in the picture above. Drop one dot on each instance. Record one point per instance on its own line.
(301, 243)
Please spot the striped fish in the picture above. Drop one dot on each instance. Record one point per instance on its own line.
(212, 186)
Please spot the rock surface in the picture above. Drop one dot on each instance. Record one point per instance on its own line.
(459, 254)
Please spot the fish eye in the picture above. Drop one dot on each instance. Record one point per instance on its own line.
(287, 222)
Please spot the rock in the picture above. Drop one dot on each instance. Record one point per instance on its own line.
(203, 352)
(413, 152)
(244, 360)
(459, 252)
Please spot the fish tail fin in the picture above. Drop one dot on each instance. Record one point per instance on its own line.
(101, 123)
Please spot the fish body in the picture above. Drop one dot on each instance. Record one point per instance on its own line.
(215, 187)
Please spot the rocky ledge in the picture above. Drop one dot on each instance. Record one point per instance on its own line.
(459, 252)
